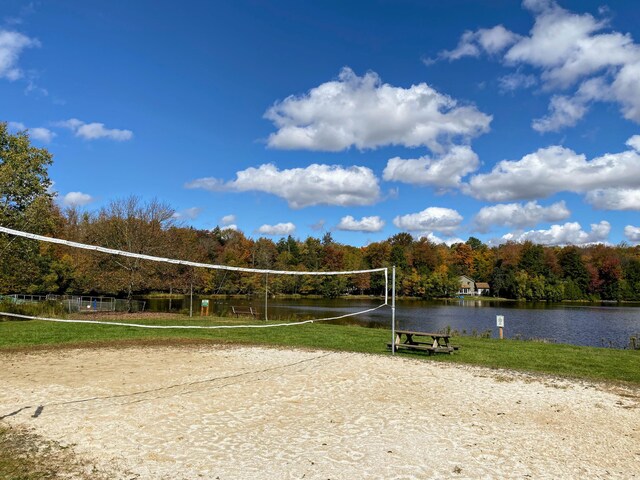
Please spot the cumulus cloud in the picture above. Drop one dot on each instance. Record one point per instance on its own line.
(555, 169)
(569, 50)
(94, 131)
(567, 234)
(12, 45)
(443, 171)
(632, 233)
(634, 142)
(365, 224)
(614, 198)
(429, 220)
(38, 133)
(566, 111)
(365, 113)
(303, 187)
(515, 81)
(490, 40)
(437, 240)
(519, 215)
(189, 213)
(228, 219)
(278, 230)
(76, 199)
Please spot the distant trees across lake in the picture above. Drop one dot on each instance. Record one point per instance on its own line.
(425, 270)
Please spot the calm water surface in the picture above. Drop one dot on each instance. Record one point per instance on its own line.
(577, 324)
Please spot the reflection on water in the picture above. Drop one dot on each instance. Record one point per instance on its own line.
(578, 324)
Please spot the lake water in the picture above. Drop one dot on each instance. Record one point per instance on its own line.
(577, 324)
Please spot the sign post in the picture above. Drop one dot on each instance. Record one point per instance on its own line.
(204, 308)
(500, 324)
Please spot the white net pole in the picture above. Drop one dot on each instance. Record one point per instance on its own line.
(386, 286)
(393, 311)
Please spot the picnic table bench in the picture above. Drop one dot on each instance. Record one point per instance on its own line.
(411, 340)
(244, 312)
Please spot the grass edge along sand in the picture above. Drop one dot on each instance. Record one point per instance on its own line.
(589, 363)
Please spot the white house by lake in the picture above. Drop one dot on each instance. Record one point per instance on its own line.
(469, 287)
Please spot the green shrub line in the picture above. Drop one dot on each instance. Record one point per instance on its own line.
(592, 363)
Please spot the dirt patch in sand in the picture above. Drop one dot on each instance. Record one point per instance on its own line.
(208, 411)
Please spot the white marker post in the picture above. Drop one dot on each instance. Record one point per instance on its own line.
(500, 324)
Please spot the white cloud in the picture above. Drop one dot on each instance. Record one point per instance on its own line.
(365, 224)
(632, 233)
(303, 187)
(94, 131)
(11, 46)
(567, 234)
(38, 133)
(555, 169)
(490, 40)
(569, 49)
(189, 213)
(563, 112)
(228, 219)
(634, 142)
(437, 240)
(515, 81)
(519, 215)
(443, 171)
(432, 219)
(76, 199)
(231, 226)
(365, 113)
(566, 111)
(43, 134)
(278, 230)
(614, 198)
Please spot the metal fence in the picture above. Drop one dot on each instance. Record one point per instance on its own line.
(80, 304)
(21, 299)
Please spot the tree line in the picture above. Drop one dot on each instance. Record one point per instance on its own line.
(424, 269)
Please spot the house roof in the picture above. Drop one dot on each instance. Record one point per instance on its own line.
(482, 285)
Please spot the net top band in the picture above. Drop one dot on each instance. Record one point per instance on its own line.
(174, 261)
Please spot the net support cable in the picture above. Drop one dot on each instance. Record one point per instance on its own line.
(200, 327)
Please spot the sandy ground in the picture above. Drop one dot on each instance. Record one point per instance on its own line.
(244, 413)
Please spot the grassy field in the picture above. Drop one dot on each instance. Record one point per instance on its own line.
(556, 359)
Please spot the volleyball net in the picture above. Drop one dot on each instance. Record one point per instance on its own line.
(300, 317)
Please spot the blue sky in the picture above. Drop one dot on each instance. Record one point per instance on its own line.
(498, 120)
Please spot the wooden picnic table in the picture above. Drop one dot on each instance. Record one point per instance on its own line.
(426, 341)
(244, 312)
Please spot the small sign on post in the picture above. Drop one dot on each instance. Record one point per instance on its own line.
(204, 308)
(500, 324)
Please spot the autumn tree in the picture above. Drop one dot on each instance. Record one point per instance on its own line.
(134, 226)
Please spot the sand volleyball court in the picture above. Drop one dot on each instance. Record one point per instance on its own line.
(212, 412)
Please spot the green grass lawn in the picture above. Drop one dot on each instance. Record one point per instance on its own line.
(556, 359)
